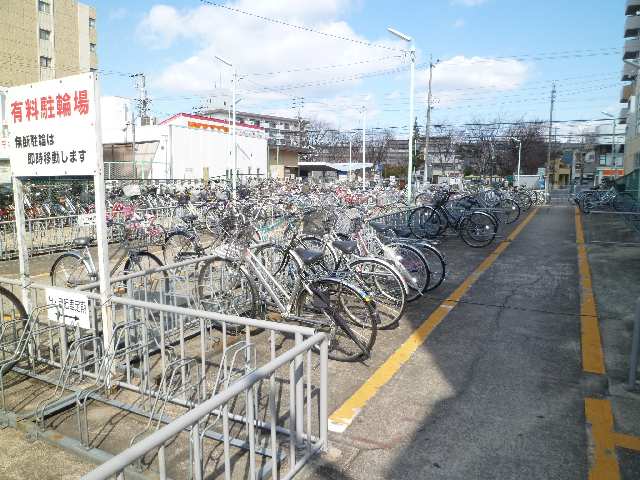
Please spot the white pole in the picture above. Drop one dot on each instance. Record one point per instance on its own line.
(428, 127)
(364, 146)
(411, 120)
(613, 144)
(235, 144)
(101, 231)
(519, 158)
(349, 159)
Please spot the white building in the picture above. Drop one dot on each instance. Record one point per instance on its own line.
(182, 146)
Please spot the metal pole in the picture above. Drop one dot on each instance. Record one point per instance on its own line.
(364, 146)
(519, 159)
(553, 99)
(635, 349)
(235, 144)
(427, 135)
(349, 159)
(21, 238)
(613, 144)
(411, 120)
(101, 233)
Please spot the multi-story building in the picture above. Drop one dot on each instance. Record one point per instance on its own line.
(629, 115)
(444, 158)
(45, 39)
(281, 131)
(42, 40)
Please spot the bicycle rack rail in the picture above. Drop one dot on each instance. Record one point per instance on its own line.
(164, 361)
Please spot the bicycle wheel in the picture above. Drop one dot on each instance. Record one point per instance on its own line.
(225, 287)
(151, 286)
(478, 229)
(508, 211)
(345, 314)
(178, 246)
(70, 271)
(425, 222)
(413, 267)
(384, 283)
(437, 264)
(14, 319)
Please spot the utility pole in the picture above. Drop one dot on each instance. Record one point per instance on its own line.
(553, 101)
(428, 128)
(143, 112)
(350, 159)
(364, 145)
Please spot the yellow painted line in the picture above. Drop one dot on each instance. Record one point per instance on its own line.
(592, 354)
(340, 420)
(604, 463)
(627, 441)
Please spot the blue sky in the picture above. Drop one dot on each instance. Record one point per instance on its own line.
(579, 44)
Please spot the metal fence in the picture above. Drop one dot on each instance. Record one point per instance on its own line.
(234, 393)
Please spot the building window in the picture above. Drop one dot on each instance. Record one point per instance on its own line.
(44, 34)
(92, 22)
(45, 62)
(272, 124)
(44, 7)
(92, 47)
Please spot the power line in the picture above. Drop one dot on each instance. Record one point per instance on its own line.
(300, 27)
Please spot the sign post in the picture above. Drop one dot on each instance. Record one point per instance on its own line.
(55, 132)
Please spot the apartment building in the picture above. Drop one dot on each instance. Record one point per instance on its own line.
(281, 131)
(629, 114)
(45, 39)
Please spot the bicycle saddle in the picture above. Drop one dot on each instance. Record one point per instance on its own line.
(345, 246)
(308, 257)
(83, 241)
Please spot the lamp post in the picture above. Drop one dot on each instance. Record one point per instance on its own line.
(364, 146)
(613, 138)
(519, 157)
(412, 53)
(234, 174)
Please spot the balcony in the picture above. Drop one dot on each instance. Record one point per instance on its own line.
(631, 49)
(632, 27)
(624, 113)
(633, 7)
(627, 92)
(629, 73)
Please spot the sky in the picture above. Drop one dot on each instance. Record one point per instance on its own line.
(496, 59)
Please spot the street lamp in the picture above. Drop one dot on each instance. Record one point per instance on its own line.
(412, 53)
(233, 127)
(519, 156)
(613, 138)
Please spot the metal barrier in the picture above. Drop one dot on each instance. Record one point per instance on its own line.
(195, 420)
(634, 357)
(167, 359)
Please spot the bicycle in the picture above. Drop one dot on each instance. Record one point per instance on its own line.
(246, 286)
(76, 267)
(476, 228)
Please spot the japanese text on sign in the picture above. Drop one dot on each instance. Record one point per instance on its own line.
(53, 127)
(45, 108)
(67, 307)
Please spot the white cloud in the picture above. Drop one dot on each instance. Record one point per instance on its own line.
(459, 23)
(468, 3)
(255, 45)
(460, 76)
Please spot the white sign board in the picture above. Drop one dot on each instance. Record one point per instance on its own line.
(87, 220)
(73, 307)
(52, 127)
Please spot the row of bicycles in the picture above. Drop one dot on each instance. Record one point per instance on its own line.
(344, 262)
